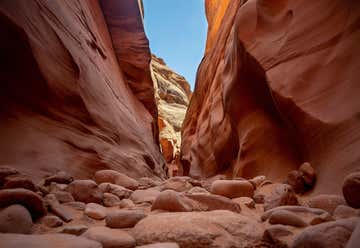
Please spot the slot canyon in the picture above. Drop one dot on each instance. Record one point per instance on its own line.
(104, 144)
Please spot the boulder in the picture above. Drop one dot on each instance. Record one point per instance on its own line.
(308, 174)
(63, 197)
(351, 189)
(19, 181)
(85, 191)
(110, 238)
(198, 190)
(257, 181)
(126, 203)
(208, 202)
(56, 208)
(295, 209)
(146, 182)
(75, 229)
(282, 194)
(95, 211)
(76, 205)
(124, 218)
(232, 188)
(46, 241)
(326, 202)
(60, 177)
(144, 195)
(285, 217)
(51, 221)
(15, 219)
(111, 176)
(117, 190)
(179, 184)
(110, 200)
(219, 228)
(172, 201)
(27, 198)
(334, 234)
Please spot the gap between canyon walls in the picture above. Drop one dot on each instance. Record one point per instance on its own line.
(265, 100)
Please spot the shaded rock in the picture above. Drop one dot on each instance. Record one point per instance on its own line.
(111, 176)
(63, 197)
(85, 191)
(274, 233)
(27, 198)
(219, 228)
(325, 217)
(117, 190)
(326, 202)
(285, 217)
(282, 194)
(259, 198)
(246, 201)
(294, 209)
(208, 202)
(296, 181)
(179, 184)
(343, 212)
(19, 181)
(75, 229)
(124, 218)
(351, 189)
(146, 182)
(56, 208)
(160, 245)
(110, 238)
(110, 200)
(75, 205)
(146, 195)
(46, 241)
(51, 221)
(95, 211)
(172, 201)
(6, 171)
(126, 203)
(15, 219)
(60, 177)
(354, 240)
(232, 188)
(308, 174)
(333, 234)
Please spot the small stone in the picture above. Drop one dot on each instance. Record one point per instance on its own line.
(63, 197)
(15, 219)
(126, 203)
(198, 190)
(95, 211)
(75, 229)
(51, 221)
(115, 177)
(257, 181)
(80, 206)
(282, 194)
(246, 201)
(111, 200)
(117, 190)
(54, 187)
(110, 238)
(124, 218)
(259, 198)
(85, 191)
(326, 202)
(232, 188)
(309, 174)
(146, 195)
(179, 184)
(296, 181)
(60, 177)
(351, 189)
(285, 217)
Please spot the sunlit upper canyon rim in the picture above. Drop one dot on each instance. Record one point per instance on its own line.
(179, 124)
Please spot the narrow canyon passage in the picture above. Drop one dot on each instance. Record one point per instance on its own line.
(167, 124)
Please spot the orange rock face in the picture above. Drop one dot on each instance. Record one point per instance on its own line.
(278, 86)
(73, 94)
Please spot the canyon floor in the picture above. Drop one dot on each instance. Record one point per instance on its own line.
(113, 210)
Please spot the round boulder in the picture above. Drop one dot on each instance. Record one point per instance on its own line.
(15, 219)
(111, 176)
(85, 191)
(232, 188)
(351, 189)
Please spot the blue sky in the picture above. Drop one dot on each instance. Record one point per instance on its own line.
(177, 30)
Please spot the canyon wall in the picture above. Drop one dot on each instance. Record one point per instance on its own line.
(77, 93)
(278, 86)
(172, 93)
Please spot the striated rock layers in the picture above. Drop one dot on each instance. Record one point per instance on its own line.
(77, 93)
(278, 86)
(172, 93)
